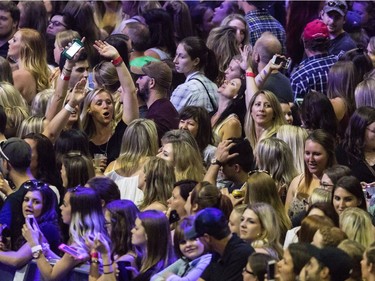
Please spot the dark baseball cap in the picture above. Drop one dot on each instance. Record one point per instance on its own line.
(17, 152)
(158, 70)
(209, 221)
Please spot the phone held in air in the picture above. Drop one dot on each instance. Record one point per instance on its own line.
(73, 49)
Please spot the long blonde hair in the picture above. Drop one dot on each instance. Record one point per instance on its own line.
(139, 142)
(278, 118)
(295, 138)
(33, 57)
(187, 159)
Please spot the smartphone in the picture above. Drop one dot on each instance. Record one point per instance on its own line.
(271, 270)
(280, 60)
(173, 217)
(298, 102)
(71, 251)
(31, 220)
(73, 49)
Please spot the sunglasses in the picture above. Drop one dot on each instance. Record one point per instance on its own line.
(335, 4)
(35, 184)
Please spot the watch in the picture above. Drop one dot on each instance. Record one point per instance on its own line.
(214, 161)
(36, 251)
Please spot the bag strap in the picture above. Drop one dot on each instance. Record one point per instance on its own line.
(211, 101)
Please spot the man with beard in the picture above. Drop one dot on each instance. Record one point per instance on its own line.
(326, 264)
(229, 252)
(333, 15)
(153, 87)
(9, 19)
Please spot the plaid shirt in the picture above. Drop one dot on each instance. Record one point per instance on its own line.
(260, 21)
(312, 74)
(192, 92)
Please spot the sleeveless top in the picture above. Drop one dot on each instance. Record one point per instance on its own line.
(218, 127)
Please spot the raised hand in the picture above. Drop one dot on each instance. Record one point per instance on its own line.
(106, 50)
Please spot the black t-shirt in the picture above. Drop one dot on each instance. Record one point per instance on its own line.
(229, 266)
(112, 147)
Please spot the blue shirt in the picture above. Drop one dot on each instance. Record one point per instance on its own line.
(312, 74)
(260, 21)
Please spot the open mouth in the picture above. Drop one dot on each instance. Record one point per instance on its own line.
(106, 114)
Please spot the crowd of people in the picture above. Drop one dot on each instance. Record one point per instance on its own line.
(188, 140)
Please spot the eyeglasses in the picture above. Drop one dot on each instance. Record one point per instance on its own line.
(326, 186)
(56, 23)
(247, 271)
(336, 4)
(35, 184)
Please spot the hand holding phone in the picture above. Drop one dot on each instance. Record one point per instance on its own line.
(71, 251)
(32, 221)
(281, 60)
(73, 49)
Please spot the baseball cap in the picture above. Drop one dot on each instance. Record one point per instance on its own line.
(17, 152)
(209, 221)
(338, 262)
(337, 5)
(315, 29)
(158, 70)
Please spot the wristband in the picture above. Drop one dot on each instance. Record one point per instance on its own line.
(110, 272)
(250, 74)
(64, 77)
(117, 61)
(95, 260)
(94, 255)
(72, 111)
(109, 264)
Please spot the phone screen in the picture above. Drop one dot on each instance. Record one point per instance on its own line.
(73, 49)
(271, 270)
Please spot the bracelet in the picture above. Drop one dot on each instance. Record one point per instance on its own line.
(117, 61)
(69, 108)
(94, 255)
(65, 77)
(108, 264)
(250, 74)
(95, 260)
(108, 272)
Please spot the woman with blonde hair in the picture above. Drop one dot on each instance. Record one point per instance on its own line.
(15, 108)
(28, 50)
(158, 184)
(181, 150)
(356, 223)
(283, 170)
(260, 226)
(263, 118)
(40, 102)
(138, 143)
(98, 110)
(295, 138)
(262, 188)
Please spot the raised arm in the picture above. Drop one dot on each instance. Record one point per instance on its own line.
(128, 89)
(58, 123)
(62, 86)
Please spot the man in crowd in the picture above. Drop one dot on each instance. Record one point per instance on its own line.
(9, 19)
